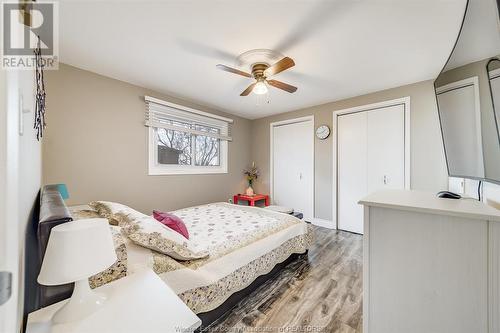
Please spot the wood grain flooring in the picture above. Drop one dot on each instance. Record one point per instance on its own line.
(319, 292)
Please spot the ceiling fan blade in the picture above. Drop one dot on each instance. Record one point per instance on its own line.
(248, 90)
(282, 85)
(280, 66)
(233, 70)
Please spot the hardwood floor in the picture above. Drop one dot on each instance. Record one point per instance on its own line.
(320, 292)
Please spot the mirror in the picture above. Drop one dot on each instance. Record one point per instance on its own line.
(465, 101)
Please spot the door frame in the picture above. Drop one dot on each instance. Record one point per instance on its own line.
(405, 101)
(271, 155)
(11, 233)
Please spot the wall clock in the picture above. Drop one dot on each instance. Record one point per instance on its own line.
(322, 132)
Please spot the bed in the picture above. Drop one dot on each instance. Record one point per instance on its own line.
(246, 246)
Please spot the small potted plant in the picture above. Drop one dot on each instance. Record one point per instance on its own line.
(251, 174)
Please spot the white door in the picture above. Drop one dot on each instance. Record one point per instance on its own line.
(293, 166)
(370, 157)
(352, 175)
(9, 224)
(20, 178)
(386, 148)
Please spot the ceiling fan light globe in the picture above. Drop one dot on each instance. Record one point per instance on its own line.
(260, 88)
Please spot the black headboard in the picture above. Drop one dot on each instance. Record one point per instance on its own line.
(52, 211)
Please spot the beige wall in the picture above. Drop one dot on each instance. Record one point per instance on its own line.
(428, 168)
(96, 143)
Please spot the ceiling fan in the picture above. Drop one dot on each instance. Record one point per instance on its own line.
(261, 72)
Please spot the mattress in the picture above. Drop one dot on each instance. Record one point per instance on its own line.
(243, 243)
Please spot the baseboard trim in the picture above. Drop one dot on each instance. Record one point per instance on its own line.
(322, 223)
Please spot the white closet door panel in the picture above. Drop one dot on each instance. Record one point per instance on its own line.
(285, 168)
(352, 175)
(385, 140)
(293, 174)
(459, 123)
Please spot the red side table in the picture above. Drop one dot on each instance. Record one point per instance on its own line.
(251, 199)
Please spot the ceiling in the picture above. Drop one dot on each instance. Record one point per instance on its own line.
(341, 48)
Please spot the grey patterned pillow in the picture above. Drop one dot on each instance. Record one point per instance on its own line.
(149, 233)
(86, 212)
(110, 210)
(119, 268)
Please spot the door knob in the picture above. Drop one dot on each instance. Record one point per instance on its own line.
(300, 175)
(386, 180)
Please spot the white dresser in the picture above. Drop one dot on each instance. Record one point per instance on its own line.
(430, 264)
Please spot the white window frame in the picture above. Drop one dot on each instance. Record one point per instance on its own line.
(156, 169)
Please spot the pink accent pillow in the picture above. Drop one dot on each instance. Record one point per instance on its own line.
(171, 221)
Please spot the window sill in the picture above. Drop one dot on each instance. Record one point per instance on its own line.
(188, 171)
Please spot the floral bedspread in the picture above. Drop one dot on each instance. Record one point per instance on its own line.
(263, 237)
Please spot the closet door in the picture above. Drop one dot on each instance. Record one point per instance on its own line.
(293, 167)
(386, 149)
(370, 157)
(351, 170)
(461, 128)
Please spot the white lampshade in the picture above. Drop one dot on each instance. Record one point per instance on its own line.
(77, 250)
(260, 88)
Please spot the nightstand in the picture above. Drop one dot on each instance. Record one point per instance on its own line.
(141, 302)
(251, 199)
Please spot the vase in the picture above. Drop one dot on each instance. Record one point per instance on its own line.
(249, 190)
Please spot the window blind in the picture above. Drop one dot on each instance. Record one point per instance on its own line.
(161, 114)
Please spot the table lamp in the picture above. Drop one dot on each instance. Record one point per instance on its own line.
(76, 251)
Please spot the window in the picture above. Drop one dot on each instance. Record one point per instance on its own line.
(184, 140)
